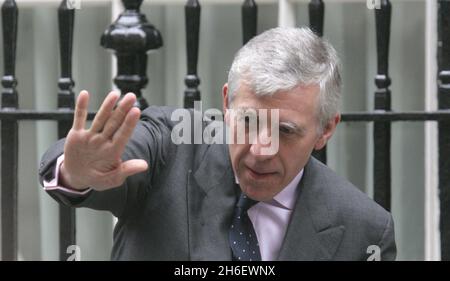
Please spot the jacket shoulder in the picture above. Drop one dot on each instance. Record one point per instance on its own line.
(345, 203)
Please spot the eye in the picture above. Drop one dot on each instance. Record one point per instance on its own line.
(287, 130)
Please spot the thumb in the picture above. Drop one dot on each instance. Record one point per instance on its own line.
(134, 166)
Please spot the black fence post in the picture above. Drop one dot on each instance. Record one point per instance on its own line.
(444, 126)
(66, 102)
(316, 10)
(9, 134)
(192, 12)
(249, 20)
(382, 130)
(131, 36)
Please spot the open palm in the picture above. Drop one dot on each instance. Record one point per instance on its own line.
(92, 157)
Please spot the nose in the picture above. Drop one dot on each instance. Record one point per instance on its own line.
(260, 146)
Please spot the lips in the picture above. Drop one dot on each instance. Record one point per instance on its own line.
(259, 174)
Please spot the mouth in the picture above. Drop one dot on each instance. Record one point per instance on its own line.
(258, 174)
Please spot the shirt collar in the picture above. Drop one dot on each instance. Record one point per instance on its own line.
(287, 196)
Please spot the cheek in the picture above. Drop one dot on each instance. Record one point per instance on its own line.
(237, 152)
(294, 157)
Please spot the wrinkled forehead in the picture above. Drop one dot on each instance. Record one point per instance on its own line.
(298, 105)
(300, 98)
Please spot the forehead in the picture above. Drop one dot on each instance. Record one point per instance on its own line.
(298, 103)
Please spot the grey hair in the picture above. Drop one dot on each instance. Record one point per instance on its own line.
(280, 59)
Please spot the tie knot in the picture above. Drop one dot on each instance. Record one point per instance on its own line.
(245, 202)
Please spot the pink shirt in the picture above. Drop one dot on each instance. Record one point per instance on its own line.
(53, 184)
(270, 219)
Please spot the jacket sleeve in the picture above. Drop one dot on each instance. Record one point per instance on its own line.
(387, 242)
(150, 141)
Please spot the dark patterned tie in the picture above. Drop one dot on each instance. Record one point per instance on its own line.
(243, 240)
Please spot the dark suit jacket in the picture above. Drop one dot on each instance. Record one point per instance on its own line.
(181, 208)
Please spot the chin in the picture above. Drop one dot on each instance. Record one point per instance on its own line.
(257, 193)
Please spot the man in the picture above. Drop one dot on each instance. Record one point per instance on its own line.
(226, 201)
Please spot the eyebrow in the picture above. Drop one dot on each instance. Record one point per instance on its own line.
(293, 126)
(298, 129)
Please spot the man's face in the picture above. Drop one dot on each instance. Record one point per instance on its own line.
(263, 176)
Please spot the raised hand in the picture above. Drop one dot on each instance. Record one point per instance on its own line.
(92, 157)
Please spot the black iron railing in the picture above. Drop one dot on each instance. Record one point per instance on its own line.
(9, 131)
(192, 16)
(444, 125)
(131, 44)
(66, 101)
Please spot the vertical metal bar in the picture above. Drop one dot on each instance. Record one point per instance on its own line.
(444, 126)
(66, 101)
(192, 11)
(249, 20)
(316, 9)
(131, 36)
(382, 130)
(9, 134)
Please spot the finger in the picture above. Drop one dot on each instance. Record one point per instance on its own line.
(132, 167)
(123, 134)
(117, 176)
(81, 110)
(104, 112)
(118, 115)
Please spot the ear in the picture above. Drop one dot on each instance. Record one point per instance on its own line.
(225, 97)
(328, 131)
(225, 103)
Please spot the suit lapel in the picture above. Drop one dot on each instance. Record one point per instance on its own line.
(212, 195)
(311, 234)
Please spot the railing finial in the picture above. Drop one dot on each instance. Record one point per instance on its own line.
(131, 36)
